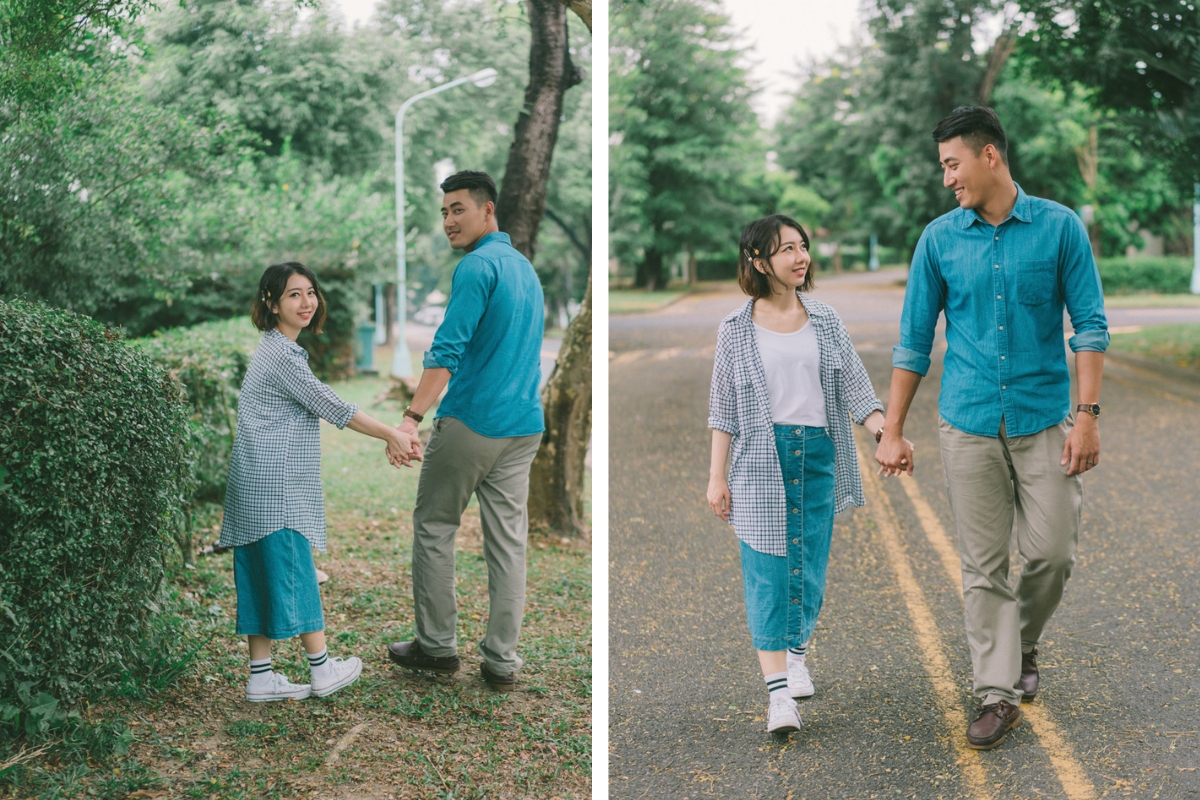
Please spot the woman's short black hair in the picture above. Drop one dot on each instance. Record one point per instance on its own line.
(480, 185)
(270, 289)
(760, 239)
(977, 125)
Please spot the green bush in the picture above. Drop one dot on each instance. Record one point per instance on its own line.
(331, 354)
(1161, 275)
(210, 360)
(93, 439)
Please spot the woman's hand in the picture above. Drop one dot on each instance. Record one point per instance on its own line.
(403, 448)
(895, 455)
(718, 496)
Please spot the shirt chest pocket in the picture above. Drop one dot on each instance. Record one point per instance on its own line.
(1036, 281)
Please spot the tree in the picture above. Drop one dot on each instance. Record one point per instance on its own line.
(556, 477)
(683, 133)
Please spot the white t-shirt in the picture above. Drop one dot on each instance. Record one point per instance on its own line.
(792, 363)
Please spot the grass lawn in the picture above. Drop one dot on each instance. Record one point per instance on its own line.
(1176, 345)
(393, 734)
(635, 301)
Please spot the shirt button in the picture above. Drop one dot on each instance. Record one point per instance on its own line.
(1003, 387)
(795, 480)
(997, 266)
(795, 430)
(795, 511)
(1001, 358)
(795, 541)
(997, 238)
(1001, 327)
(795, 572)
(999, 297)
(795, 600)
(795, 452)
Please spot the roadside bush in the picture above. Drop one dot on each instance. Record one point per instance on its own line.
(210, 361)
(1161, 275)
(331, 354)
(93, 439)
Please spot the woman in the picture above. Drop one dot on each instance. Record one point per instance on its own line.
(785, 382)
(274, 509)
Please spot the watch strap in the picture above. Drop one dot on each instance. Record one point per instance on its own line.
(408, 412)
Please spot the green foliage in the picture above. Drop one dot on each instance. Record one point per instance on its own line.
(686, 134)
(210, 361)
(93, 438)
(1165, 275)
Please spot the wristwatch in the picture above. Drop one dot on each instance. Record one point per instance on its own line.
(1091, 408)
(408, 412)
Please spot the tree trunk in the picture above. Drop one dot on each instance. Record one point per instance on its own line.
(582, 8)
(1004, 46)
(1087, 156)
(650, 271)
(556, 478)
(522, 201)
(691, 277)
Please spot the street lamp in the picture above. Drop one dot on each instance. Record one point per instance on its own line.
(401, 360)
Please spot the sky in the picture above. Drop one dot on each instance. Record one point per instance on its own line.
(779, 33)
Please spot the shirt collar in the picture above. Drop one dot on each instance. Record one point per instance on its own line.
(274, 332)
(814, 309)
(495, 236)
(1020, 211)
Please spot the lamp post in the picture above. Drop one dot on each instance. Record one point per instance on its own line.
(401, 360)
(1196, 240)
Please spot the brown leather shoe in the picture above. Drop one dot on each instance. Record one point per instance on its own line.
(500, 682)
(994, 720)
(1028, 684)
(410, 656)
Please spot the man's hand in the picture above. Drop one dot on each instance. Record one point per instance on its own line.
(895, 455)
(1082, 450)
(718, 496)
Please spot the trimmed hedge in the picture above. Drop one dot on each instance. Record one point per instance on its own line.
(210, 360)
(93, 439)
(1159, 275)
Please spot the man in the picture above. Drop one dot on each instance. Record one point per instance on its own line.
(485, 436)
(1001, 267)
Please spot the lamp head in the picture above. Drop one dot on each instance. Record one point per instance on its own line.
(485, 77)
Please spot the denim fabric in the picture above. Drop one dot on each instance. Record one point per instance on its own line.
(1003, 289)
(277, 593)
(784, 594)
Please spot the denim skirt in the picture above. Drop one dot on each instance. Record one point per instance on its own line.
(277, 592)
(784, 593)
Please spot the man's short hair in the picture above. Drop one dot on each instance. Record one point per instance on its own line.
(977, 125)
(479, 184)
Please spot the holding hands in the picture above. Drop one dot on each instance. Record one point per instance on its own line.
(403, 447)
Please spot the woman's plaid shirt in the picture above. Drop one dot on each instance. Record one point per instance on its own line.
(275, 469)
(739, 405)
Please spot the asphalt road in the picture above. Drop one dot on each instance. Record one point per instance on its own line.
(1119, 710)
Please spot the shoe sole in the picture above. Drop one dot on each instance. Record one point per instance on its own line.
(343, 683)
(441, 671)
(809, 693)
(271, 698)
(783, 729)
(1003, 735)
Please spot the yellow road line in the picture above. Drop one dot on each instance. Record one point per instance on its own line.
(1070, 772)
(933, 656)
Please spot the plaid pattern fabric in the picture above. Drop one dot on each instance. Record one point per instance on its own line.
(275, 469)
(739, 405)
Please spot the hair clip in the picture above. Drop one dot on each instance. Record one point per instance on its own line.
(756, 251)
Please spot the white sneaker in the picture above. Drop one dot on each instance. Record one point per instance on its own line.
(280, 688)
(799, 681)
(783, 716)
(341, 673)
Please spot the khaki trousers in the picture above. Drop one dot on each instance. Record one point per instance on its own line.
(991, 482)
(458, 463)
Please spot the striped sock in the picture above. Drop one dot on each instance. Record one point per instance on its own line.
(318, 663)
(798, 652)
(260, 673)
(777, 685)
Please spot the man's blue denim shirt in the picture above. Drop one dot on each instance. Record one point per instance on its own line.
(491, 341)
(1003, 289)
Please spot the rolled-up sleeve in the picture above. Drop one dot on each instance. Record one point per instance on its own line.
(924, 298)
(302, 386)
(469, 292)
(722, 403)
(1082, 291)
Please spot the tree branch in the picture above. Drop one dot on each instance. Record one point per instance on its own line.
(582, 9)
